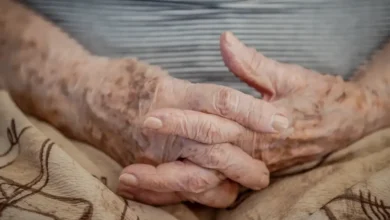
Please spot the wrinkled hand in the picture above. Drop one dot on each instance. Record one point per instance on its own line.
(326, 112)
(123, 94)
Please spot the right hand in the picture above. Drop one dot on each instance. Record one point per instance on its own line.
(118, 104)
(327, 113)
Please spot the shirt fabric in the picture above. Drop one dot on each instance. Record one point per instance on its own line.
(182, 36)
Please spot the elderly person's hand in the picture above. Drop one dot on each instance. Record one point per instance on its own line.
(119, 96)
(326, 112)
(106, 103)
(191, 141)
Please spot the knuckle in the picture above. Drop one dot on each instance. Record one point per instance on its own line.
(196, 184)
(183, 126)
(261, 109)
(217, 157)
(196, 127)
(209, 132)
(154, 183)
(225, 101)
(249, 116)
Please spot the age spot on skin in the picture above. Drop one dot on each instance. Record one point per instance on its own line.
(360, 101)
(118, 81)
(44, 55)
(31, 44)
(63, 88)
(39, 80)
(341, 98)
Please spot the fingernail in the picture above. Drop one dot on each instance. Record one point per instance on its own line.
(128, 179)
(279, 122)
(153, 123)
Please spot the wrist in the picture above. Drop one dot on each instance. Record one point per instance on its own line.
(115, 97)
(367, 113)
(377, 113)
(120, 87)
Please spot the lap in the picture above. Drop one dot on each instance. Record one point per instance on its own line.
(42, 172)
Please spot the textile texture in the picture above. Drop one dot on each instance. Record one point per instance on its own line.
(45, 175)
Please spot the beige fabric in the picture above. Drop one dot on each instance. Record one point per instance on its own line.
(353, 183)
(57, 178)
(40, 180)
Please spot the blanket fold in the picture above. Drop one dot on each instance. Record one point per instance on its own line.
(45, 175)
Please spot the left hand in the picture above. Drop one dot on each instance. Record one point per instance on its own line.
(117, 120)
(326, 112)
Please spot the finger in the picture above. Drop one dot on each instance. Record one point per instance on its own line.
(170, 177)
(231, 161)
(198, 126)
(148, 196)
(226, 102)
(235, 57)
(264, 74)
(219, 197)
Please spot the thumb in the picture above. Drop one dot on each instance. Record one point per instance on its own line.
(269, 77)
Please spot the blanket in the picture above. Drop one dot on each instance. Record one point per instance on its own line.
(45, 175)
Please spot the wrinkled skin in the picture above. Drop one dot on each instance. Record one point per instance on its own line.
(326, 114)
(121, 97)
(105, 102)
(192, 146)
(117, 118)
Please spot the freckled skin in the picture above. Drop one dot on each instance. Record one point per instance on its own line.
(47, 78)
(102, 101)
(94, 99)
(326, 112)
(26, 62)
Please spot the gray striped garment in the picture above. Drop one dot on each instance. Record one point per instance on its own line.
(182, 36)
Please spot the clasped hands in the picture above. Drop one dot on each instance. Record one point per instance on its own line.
(199, 142)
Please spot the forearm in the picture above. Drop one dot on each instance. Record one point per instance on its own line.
(46, 72)
(330, 116)
(49, 75)
(39, 64)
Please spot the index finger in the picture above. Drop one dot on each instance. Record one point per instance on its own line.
(226, 102)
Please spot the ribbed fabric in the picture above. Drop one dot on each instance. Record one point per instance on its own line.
(182, 36)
